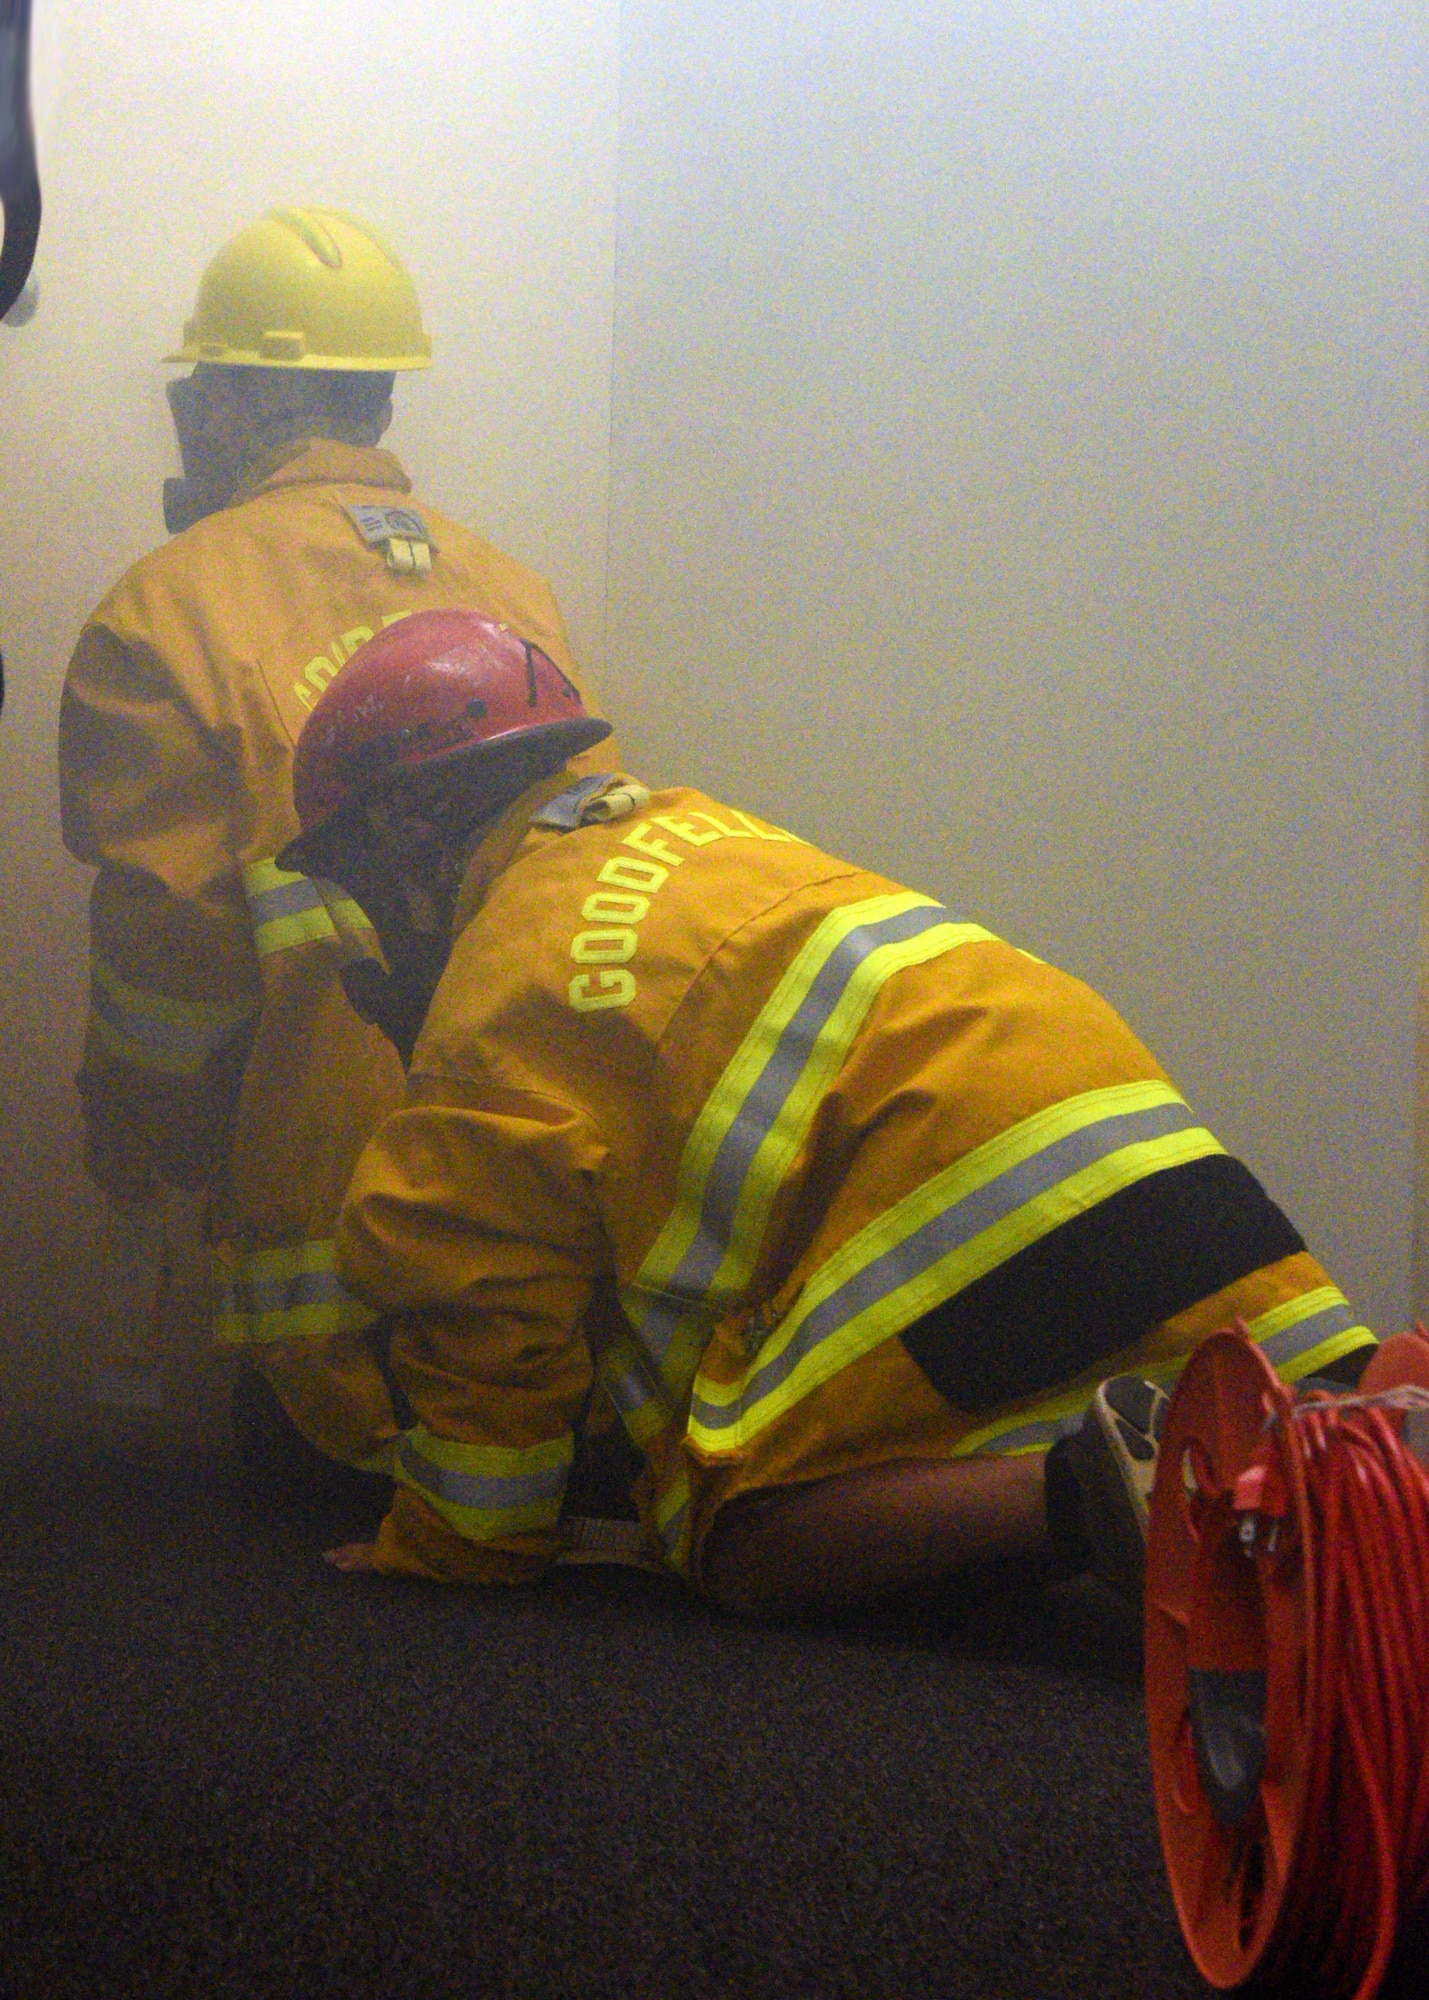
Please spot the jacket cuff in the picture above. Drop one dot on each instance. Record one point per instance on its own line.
(414, 1541)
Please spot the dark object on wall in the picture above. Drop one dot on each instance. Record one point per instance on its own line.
(19, 171)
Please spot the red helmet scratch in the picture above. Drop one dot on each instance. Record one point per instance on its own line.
(436, 685)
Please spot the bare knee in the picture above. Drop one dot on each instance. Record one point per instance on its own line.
(860, 1534)
(740, 1568)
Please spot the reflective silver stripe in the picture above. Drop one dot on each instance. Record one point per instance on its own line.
(1037, 1436)
(286, 909)
(672, 1531)
(645, 1413)
(289, 909)
(626, 1389)
(691, 1285)
(152, 1030)
(486, 1493)
(672, 1521)
(623, 1544)
(291, 1292)
(285, 900)
(1026, 1186)
(645, 1410)
(272, 1295)
(1288, 1333)
(1288, 1345)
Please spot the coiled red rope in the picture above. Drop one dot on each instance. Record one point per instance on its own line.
(1364, 1840)
(1288, 1669)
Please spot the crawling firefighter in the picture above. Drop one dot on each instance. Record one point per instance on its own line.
(847, 1204)
(222, 1052)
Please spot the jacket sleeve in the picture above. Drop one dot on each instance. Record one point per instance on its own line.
(472, 1220)
(151, 797)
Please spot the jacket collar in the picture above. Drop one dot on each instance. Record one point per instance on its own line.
(502, 844)
(321, 462)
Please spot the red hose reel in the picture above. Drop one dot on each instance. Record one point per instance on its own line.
(1287, 1667)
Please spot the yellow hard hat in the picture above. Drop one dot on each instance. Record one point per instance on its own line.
(306, 288)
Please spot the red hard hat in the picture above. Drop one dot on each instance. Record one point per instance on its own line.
(433, 686)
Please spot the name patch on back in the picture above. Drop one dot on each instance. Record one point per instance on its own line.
(378, 525)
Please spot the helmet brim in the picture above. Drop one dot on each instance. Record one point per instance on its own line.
(532, 753)
(327, 364)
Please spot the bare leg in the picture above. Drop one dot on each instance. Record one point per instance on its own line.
(840, 1540)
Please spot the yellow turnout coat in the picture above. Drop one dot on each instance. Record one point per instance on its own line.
(221, 1050)
(808, 1171)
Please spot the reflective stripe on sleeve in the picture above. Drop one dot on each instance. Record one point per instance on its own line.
(486, 1490)
(289, 909)
(288, 1293)
(152, 1031)
(757, 1116)
(943, 1236)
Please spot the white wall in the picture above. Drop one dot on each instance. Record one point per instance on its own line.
(1019, 484)
(1018, 473)
(480, 136)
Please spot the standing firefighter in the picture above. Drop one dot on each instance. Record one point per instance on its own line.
(866, 1200)
(222, 1051)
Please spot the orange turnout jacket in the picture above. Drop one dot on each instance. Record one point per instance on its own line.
(221, 1050)
(841, 1177)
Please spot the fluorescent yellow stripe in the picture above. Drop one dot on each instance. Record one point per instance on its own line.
(317, 1320)
(644, 1425)
(1264, 1328)
(339, 917)
(673, 1523)
(723, 1104)
(1274, 1331)
(491, 1461)
(201, 1017)
(486, 1491)
(261, 877)
(1048, 1410)
(955, 1183)
(1304, 1306)
(961, 1266)
(642, 1411)
(776, 1153)
(290, 909)
(487, 1524)
(951, 1274)
(154, 1031)
(288, 1292)
(350, 920)
(127, 1048)
(283, 1260)
(675, 1496)
(303, 927)
(761, 1086)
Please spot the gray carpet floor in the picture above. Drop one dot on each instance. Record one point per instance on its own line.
(229, 1771)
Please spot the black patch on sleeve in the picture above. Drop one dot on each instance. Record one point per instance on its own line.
(1100, 1282)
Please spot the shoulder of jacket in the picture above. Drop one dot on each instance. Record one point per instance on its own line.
(171, 565)
(454, 538)
(154, 577)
